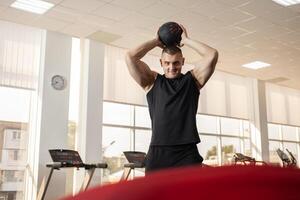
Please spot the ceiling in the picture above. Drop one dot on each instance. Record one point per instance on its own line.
(242, 31)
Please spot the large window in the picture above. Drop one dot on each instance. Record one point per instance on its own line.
(125, 128)
(20, 52)
(222, 137)
(285, 138)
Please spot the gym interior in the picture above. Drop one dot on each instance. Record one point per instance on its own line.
(70, 109)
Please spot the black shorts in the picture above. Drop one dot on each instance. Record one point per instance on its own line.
(161, 157)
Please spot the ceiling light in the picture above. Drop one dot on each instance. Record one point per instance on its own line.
(256, 65)
(35, 6)
(287, 2)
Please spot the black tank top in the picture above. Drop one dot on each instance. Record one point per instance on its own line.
(173, 105)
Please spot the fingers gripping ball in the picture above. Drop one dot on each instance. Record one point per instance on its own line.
(170, 33)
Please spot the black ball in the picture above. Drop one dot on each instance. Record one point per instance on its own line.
(170, 33)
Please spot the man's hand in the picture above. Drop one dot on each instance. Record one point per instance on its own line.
(184, 35)
(159, 42)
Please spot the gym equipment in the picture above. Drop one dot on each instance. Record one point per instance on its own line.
(170, 33)
(293, 159)
(286, 161)
(136, 159)
(64, 158)
(245, 160)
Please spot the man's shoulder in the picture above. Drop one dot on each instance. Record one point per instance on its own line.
(155, 75)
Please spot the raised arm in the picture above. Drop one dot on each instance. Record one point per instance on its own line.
(206, 66)
(139, 70)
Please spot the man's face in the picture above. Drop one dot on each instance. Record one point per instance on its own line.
(172, 64)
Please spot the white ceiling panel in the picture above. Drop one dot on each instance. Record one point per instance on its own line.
(96, 21)
(249, 38)
(295, 7)
(233, 16)
(83, 6)
(229, 32)
(234, 3)
(254, 24)
(50, 23)
(79, 29)
(161, 10)
(136, 19)
(293, 23)
(119, 28)
(64, 14)
(260, 7)
(112, 12)
(210, 8)
(135, 5)
(6, 2)
(280, 15)
(18, 16)
(183, 4)
(2, 8)
(54, 1)
(274, 31)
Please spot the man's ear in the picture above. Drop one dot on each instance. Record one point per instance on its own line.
(183, 59)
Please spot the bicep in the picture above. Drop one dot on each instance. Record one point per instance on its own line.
(140, 72)
(204, 70)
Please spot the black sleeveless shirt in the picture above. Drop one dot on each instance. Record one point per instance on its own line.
(173, 105)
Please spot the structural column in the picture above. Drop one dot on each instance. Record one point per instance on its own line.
(89, 135)
(259, 122)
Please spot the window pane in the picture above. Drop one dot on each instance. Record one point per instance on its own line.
(206, 124)
(13, 157)
(289, 133)
(142, 140)
(12, 176)
(14, 118)
(273, 131)
(247, 148)
(142, 117)
(229, 147)
(114, 142)
(230, 126)
(119, 114)
(273, 146)
(246, 128)
(208, 149)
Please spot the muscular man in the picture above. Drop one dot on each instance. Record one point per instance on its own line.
(173, 100)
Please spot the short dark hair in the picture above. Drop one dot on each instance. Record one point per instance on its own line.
(171, 50)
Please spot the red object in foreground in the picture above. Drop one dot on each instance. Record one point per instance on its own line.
(230, 182)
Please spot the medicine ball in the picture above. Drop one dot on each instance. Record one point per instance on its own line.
(170, 33)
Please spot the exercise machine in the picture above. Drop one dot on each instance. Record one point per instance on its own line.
(64, 158)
